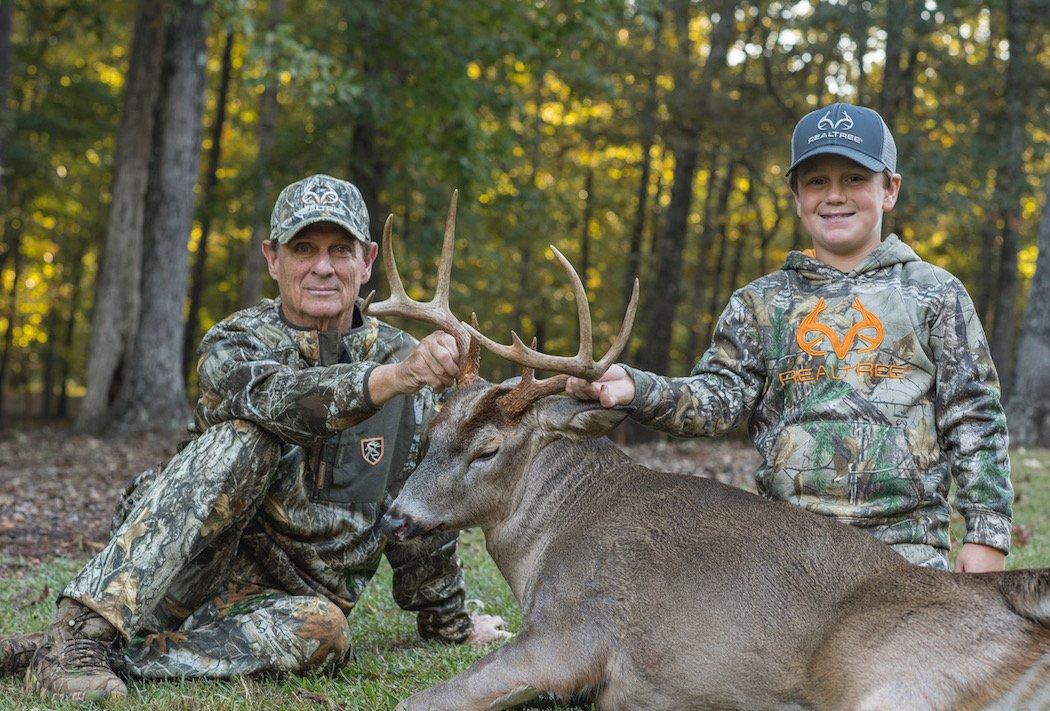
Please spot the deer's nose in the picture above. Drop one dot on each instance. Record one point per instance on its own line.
(397, 526)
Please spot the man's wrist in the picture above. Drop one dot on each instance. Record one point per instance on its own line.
(385, 382)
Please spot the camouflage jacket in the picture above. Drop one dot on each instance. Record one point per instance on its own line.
(343, 461)
(867, 392)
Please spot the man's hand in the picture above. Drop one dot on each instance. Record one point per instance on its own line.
(978, 558)
(434, 362)
(614, 388)
(487, 628)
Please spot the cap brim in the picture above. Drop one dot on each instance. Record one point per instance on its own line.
(289, 234)
(872, 164)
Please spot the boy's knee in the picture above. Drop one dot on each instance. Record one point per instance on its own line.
(324, 626)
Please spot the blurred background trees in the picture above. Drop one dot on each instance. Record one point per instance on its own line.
(142, 143)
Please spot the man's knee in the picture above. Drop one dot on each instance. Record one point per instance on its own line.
(323, 625)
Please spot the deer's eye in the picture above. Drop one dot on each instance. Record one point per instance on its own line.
(485, 454)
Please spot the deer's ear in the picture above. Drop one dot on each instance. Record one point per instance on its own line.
(577, 419)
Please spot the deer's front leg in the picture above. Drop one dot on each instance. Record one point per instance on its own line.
(516, 672)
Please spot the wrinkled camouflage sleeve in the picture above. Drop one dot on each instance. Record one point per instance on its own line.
(722, 389)
(971, 426)
(428, 575)
(241, 378)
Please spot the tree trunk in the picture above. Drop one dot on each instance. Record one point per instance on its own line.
(62, 409)
(368, 173)
(211, 178)
(116, 304)
(5, 87)
(713, 305)
(1029, 402)
(648, 121)
(153, 397)
(585, 228)
(47, 389)
(14, 241)
(889, 96)
(700, 274)
(265, 195)
(1012, 183)
(662, 303)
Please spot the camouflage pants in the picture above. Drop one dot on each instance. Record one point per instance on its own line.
(171, 581)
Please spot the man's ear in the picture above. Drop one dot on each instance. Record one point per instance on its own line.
(371, 249)
(577, 419)
(269, 249)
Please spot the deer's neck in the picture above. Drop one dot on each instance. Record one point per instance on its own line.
(561, 473)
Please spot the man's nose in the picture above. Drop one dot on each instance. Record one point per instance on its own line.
(323, 264)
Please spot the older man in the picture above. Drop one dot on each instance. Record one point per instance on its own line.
(245, 553)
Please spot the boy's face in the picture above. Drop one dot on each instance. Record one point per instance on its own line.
(840, 204)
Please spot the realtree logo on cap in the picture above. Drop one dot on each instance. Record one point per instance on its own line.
(825, 123)
(830, 129)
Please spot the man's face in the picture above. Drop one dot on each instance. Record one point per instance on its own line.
(840, 204)
(319, 273)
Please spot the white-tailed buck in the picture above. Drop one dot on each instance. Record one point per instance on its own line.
(646, 590)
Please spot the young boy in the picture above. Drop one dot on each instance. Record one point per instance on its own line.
(864, 370)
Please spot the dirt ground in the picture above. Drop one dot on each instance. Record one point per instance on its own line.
(58, 491)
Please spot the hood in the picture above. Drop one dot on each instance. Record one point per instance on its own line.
(892, 251)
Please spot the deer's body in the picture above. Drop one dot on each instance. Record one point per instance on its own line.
(656, 591)
(662, 591)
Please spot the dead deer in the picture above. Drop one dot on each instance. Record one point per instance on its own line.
(647, 590)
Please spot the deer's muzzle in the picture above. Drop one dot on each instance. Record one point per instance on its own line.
(400, 527)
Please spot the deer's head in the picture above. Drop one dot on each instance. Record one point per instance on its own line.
(486, 436)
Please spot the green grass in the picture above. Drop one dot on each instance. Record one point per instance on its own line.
(391, 662)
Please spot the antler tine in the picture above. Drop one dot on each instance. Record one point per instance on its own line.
(436, 312)
(625, 332)
(389, 263)
(583, 309)
(582, 364)
(447, 247)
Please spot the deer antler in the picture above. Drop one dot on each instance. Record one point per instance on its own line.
(581, 365)
(435, 312)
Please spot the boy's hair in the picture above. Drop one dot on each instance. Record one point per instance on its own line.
(854, 132)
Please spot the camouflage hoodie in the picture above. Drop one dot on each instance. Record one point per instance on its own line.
(342, 461)
(867, 392)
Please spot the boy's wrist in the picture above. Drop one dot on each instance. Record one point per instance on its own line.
(989, 528)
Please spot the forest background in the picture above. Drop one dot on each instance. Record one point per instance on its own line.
(142, 144)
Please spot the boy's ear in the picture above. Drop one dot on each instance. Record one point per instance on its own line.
(889, 196)
(577, 419)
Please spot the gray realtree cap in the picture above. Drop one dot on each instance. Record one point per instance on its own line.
(856, 132)
(319, 198)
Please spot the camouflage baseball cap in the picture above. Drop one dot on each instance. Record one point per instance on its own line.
(319, 198)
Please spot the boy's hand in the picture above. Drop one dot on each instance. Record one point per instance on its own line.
(978, 558)
(614, 388)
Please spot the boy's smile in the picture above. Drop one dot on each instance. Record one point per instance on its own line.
(841, 204)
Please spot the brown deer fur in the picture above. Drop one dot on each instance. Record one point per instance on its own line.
(663, 591)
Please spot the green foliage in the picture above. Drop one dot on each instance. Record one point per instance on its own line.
(516, 104)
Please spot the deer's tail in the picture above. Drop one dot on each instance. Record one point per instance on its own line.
(1027, 592)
